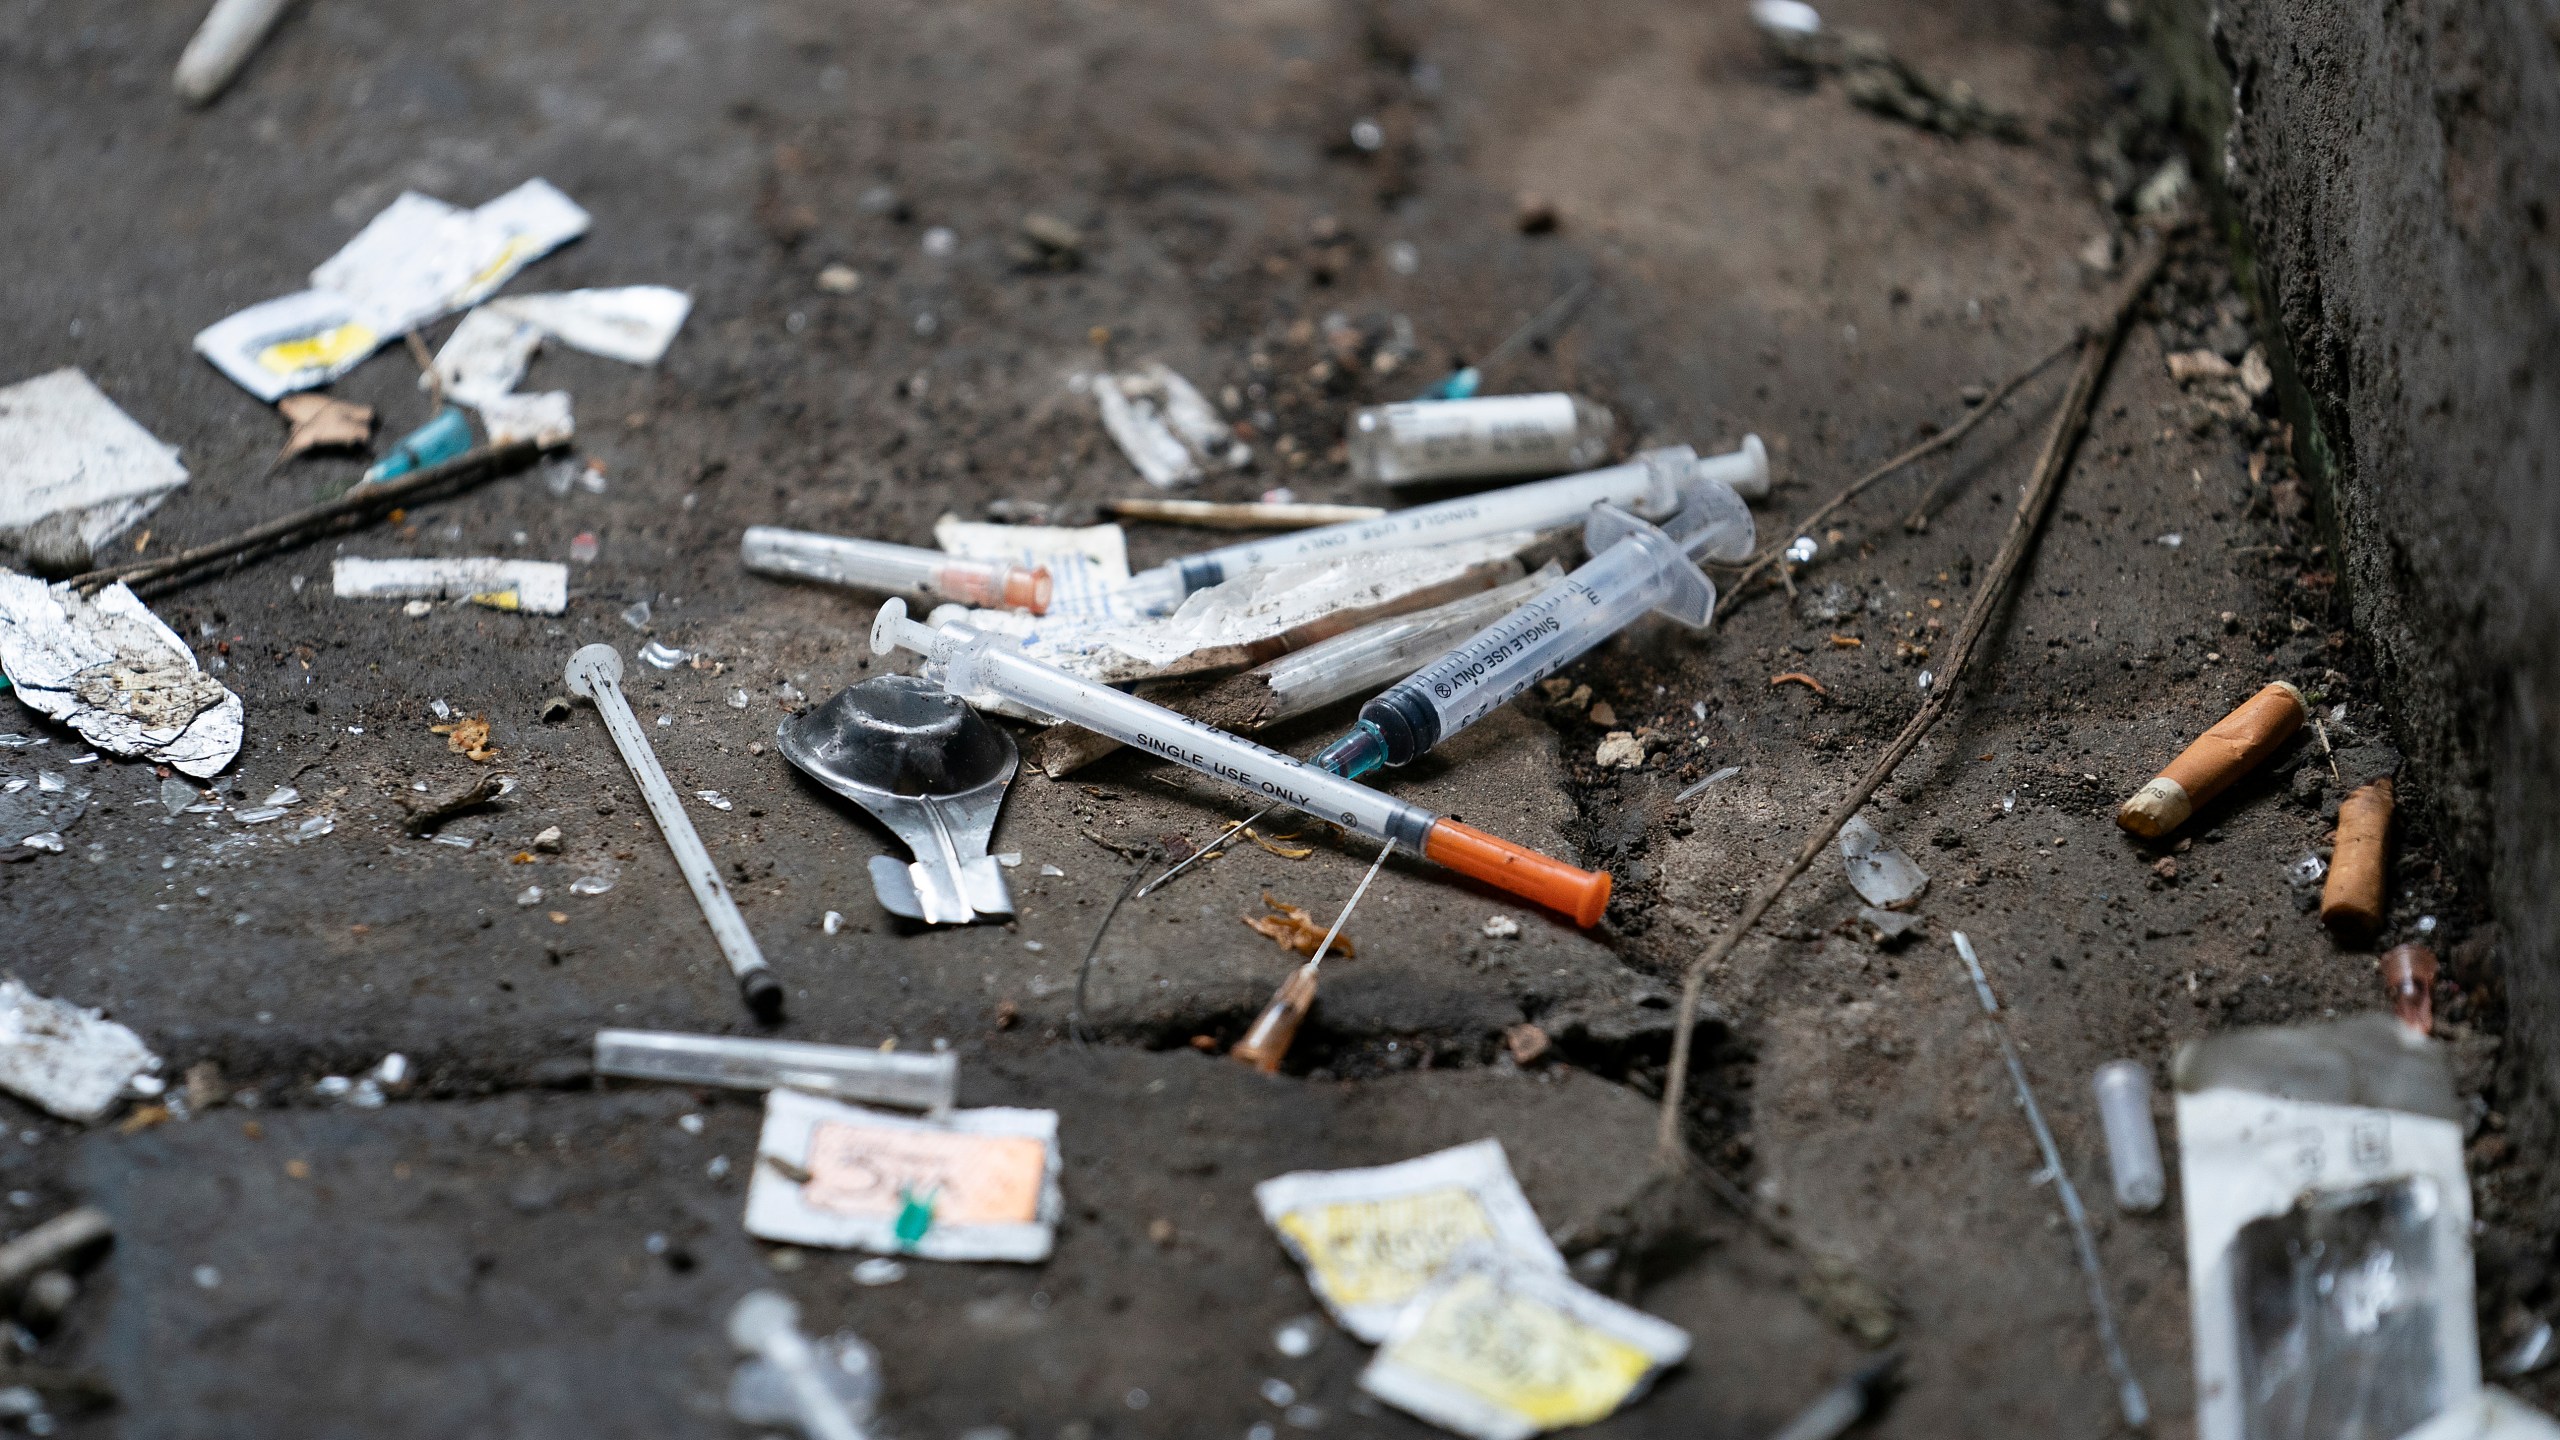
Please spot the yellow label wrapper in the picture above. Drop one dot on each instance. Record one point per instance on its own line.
(499, 599)
(320, 351)
(1378, 1252)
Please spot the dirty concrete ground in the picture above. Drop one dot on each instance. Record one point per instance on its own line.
(478, 1256)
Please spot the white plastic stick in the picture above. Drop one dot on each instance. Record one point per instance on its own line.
(223, 43)
(596, 673)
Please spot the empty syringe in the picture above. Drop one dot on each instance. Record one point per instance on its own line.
(899, 569)
(1634, 567)
(974, 664)
(1651, 484)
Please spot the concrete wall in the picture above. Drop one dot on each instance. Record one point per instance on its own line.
(2390, 175)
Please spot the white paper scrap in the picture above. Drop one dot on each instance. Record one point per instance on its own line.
(485, 356)
(632, 323)
(540, 586)
(1164, 425)
(544, 416)
(71, 1061)
(67, 451)
(419, 259)
(1087, 564)
(107, 667)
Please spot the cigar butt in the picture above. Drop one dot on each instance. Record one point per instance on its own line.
(2409, 978)
(1267, 1043)
(2236, 745)
(2351, 903)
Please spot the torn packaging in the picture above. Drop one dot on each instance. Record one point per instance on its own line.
(631, 323)
(419, 259)
(105, 666)
(972, 1185)
(71, 1061)
(75, 470)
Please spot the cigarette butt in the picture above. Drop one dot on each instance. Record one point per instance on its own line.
(2351, 903)
(1267, 1043)
(2409, 978)
(2235, 745)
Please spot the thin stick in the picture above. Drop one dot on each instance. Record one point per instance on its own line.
(1733, 593)
(2137, 1410)
(1195, 856)
(2098, 349)
(363, 503)
(1084, 970)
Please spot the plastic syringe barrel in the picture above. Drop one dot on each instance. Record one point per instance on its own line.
(979, 664)
(899, 569)
(1388, 650)
(1649, 485)
(1525, 646)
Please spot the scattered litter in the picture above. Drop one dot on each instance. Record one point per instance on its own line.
(1891, 929)
(1496, 435)
(1873, 78)
(1501, 927)
(230, 34)
(2236, 744)
(595, 672)
(1243, 515)
(1372, 1239)
(440, 439)
(583, 547)
(2351, 904)
(75, 471)
(1863, 1393)
(631, 323)
(973, 662)
(1165, 426)
(590, 885)
(2308, 871)
(974, 1185)
(107, 667)
(2328, 1230)
(714, 799)
(2409, 979)
(1635, 568)
(73, 1062)
(659, 655)
(282, 795)
(2123, 1088)
(1703, 786)
(35, 816)
(2129, 1396)
(898, 569)
(259, 815)
(1619, 750)
(1500, 1347)
(468, 738)
(53, 1245)
(827, 1388)
(1292, 928)
(879, 1270)
(418, 259)
(1881, 874)
(906, 1079)
(930, 768)
(485, 356)
(1802, 549)
(539, 587)
(832, 922)
(427, 811)
(1088, 565)
(636, 614)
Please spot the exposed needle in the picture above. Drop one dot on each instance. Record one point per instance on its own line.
(1346, 905)
(1196, 856)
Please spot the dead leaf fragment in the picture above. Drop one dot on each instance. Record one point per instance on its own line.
(1798, 677)
(1271, 843)
(1294, 929)
(321, 422)
(468, 737)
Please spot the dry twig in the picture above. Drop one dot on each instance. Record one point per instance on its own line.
(2098, 348)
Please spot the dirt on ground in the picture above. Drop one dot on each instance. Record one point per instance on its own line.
(509, 1248)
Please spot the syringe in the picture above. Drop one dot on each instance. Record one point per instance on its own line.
(1634, 567)
(975, 664)
(1651, 484)
(899, 569)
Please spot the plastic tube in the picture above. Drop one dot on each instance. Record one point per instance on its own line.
(2123, 1088)
(903, 569)
(1651, 485)
(911, 1080)
(1376, 654)
(222, 44)
(973, 664)
(1488, 435)
(1642, 569)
